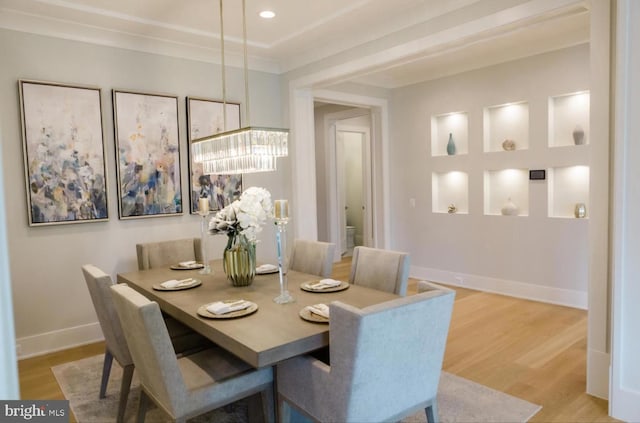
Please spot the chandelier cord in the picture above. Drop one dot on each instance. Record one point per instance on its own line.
(246, 65)
(224, 79)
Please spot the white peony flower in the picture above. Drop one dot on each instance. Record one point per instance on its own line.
(246, 215)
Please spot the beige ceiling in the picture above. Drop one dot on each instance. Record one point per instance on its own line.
(303, 32)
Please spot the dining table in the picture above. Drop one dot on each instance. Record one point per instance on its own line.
(273, 333)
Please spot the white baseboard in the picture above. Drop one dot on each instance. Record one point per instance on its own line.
(625, 404)
(547, 294)
(598, 368)
(44, 343)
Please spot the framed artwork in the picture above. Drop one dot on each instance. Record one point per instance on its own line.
(147, 154)
(63, 150)
(204, 118)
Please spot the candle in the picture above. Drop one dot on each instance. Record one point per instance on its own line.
(282, 209)
(203, 206)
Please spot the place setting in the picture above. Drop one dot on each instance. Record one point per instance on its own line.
(266, 269)
(317, 313)
(227, 309)
(324, 285)
(177, 284)
(187, 265)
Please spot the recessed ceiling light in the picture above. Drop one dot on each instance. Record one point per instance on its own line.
(267, 14)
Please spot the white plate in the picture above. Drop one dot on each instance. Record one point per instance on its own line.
(266, 272)
(307, 315)
(190, 267)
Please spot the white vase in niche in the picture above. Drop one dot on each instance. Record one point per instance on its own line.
(578, 135)
(509, 208)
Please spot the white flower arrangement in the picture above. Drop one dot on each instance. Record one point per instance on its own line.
(245, 216)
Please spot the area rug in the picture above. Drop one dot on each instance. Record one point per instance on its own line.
(459, 400)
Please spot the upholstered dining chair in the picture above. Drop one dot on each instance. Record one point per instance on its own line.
(380, 269)
(190, 385)
(313, 257)
(165, 253)
(386, 361)
(99, 284)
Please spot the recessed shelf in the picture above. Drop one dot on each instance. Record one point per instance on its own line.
(506, 122)
(567, 113)
(456, 124)
(500, 186)
(450, 188)
(568, 186)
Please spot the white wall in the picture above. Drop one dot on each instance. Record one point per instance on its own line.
(532, 256)
(625, 366)
(52, 307)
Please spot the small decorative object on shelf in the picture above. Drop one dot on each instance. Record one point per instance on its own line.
(509, 208)
(282, 218)
(241, 221)
(451, 146)
(452, 209)
(580, 210)
(578, 135)
(203, 210)
(508, 145)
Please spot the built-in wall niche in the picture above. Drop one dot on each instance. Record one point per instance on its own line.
(505, 189)
(569, 119)
(450, 189)
(454, 124)
(506, 127)
(568, 188)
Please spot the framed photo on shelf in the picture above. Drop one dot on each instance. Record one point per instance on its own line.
(147, 154)
(63, 150)
(205, 118)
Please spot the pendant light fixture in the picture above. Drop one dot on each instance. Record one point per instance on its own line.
(246, 150)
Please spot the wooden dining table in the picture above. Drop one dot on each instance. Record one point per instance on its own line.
(275, 332)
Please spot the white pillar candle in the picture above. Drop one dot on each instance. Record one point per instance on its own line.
(282, 209)
(203, 206)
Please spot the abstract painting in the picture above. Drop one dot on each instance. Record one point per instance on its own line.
(204, 118)
(147, 154)
(63, 147)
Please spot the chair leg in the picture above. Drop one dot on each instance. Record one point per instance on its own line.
(106, 370)
(432, 413)
(127, 375)
(142, 406)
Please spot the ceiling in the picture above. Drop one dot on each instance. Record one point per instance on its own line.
(305, 31)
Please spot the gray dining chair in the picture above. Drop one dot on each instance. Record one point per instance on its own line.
(99, 284)
(166, 253)
(386, 361)
(187, 386)
(313, 257)
(380, 269)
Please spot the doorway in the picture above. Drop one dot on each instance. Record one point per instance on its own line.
(353, 165)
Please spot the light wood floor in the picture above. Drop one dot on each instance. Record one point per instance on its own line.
(531, 350)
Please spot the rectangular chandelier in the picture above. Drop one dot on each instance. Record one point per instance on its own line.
(245, 150)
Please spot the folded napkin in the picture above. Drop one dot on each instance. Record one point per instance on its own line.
(189, 263)
(319, 309)
(173, 283)
(324, 284)
(266, 268)
(221, 307)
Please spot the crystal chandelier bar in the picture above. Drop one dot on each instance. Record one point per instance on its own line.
(242, 143)
(237, 165)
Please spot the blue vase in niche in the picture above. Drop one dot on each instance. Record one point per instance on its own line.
(451, 146)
